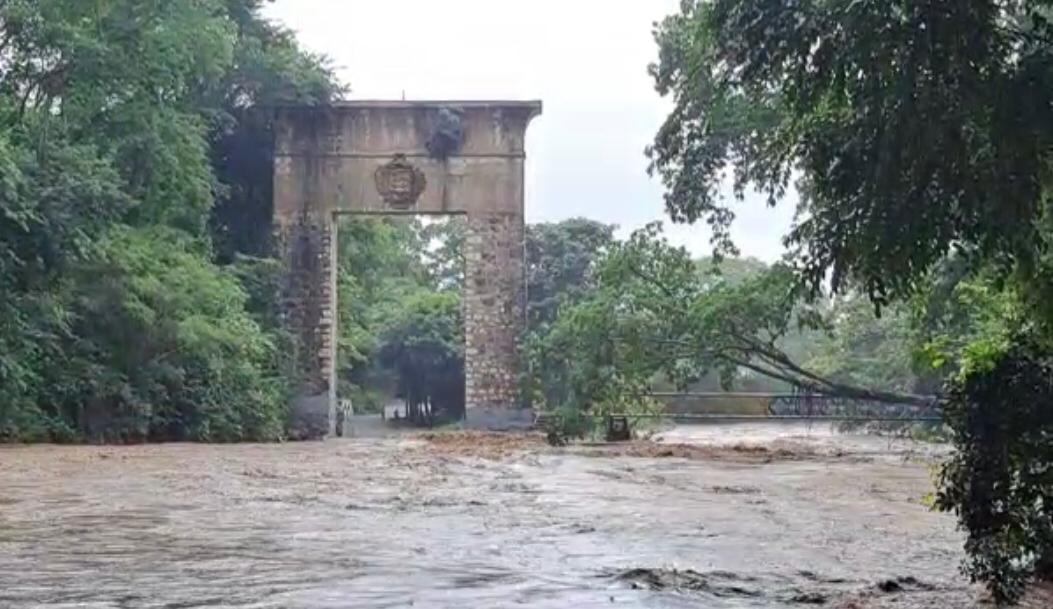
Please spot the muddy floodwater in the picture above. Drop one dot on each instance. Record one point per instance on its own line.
(715, 516)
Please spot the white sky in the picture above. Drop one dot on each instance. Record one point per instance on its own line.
(585, 59)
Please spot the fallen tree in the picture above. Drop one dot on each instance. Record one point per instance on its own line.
(654, 314)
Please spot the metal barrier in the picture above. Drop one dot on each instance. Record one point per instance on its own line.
(748, 406)
(772, 407)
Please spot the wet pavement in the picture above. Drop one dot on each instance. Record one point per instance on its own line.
(736, 516)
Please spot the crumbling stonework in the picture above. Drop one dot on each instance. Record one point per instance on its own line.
(307, 248)
(384, 157)
(493, 300)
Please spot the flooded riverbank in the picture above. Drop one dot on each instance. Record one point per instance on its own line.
(730, 516)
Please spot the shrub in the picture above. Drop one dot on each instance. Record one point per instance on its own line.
(565, 424)
(1000, 480)
(155, 343)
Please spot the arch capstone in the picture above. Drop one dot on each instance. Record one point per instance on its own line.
(404, 157)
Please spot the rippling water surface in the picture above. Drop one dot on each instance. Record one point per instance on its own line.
(394, 522)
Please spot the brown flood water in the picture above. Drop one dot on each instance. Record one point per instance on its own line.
(739, 516)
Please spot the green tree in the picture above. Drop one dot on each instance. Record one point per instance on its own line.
(917, 132)
(271, 71)
(560, 261)
(860, 349)
(731, 271)
(115, 115)
(400, 325)
(443, 245)
(424, 345)
(54, 205)
(999, 481)
(160, 347)
(914, 127)
(653, 314)
(380, 263)
(123, 77)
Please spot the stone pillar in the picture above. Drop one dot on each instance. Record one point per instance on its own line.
(307, 247)
(494, 317)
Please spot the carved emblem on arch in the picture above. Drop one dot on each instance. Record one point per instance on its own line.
(399, 183)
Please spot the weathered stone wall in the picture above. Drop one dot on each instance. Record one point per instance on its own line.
(333, 153)
(493, 300)
(307, 248)
(374, 157)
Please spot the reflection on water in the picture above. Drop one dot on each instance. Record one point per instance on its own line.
(390, 523)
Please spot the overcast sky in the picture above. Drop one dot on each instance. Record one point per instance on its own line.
(585, 59)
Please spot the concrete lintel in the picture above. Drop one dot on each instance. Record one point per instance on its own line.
(530, 104)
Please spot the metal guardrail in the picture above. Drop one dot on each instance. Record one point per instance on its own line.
(787, 407)
(809, 406)
(542, 417)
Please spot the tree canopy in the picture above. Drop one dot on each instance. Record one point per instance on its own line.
(656, 312)
(400, 325)
(130, 129)
(917, 138)
(911, 129)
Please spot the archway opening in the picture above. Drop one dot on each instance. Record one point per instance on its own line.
(400, 320)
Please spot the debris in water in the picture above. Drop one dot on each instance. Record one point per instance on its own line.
(735, 490)
(744, 453)
(808, 598)
(688, 580)
(815, 577)
(903, 584)
(479, 444)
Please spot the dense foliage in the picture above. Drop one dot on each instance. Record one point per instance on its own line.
(918, 137)
(161, 347)
(124, 130)
(401, 330)
(424, 345)
(1000, 410)
(656, 315)
(860, 349)
(560, 261)
(915, 127)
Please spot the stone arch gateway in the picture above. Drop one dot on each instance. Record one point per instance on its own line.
(403, 157)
